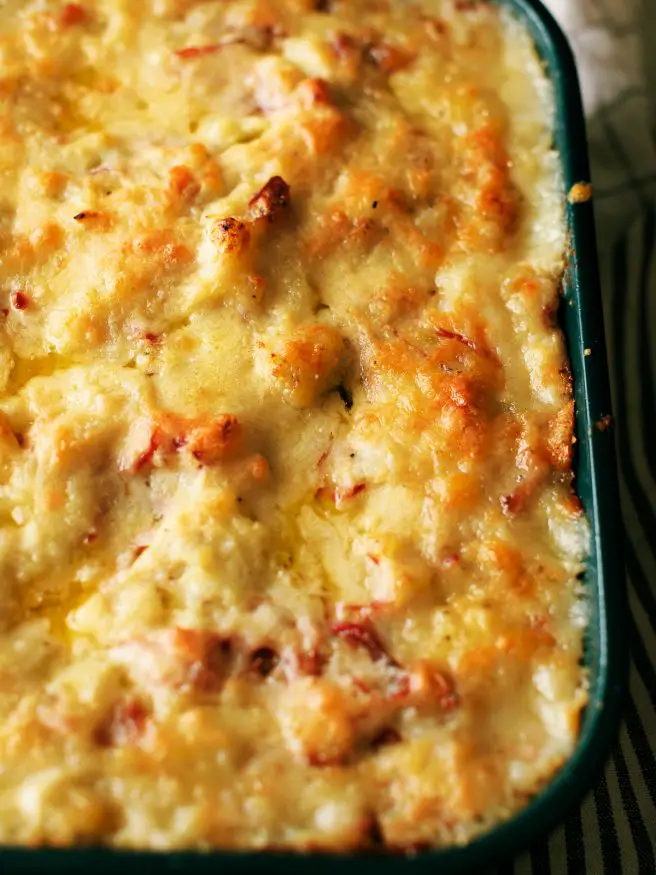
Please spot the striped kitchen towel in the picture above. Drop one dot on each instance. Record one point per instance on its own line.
(614, 831)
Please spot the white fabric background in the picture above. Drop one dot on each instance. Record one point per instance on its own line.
(612, 41)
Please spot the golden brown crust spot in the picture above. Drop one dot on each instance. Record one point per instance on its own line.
(209, 440)
(53, 183)
(318, 723)
(46, 239)
(580, 193)
(495, 206)
(230, 235)
(214, 441)
(325, 129)
(560, 438)
(336, 229)
(312, 362)
(313, 92)
(161, 248)
(183, 186)
(505, 564)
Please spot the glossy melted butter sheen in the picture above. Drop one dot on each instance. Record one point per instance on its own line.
(288, 544)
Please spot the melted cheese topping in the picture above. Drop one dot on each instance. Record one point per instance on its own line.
(288, 543)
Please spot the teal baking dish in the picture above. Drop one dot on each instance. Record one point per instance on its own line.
(606, 654)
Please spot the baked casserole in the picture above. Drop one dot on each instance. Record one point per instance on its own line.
(289, 546)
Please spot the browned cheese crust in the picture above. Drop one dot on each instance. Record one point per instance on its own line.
(289, 551)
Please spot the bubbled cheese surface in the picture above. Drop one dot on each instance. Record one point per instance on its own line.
(289, 551)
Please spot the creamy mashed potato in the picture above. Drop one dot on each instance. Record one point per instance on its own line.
(289, 550)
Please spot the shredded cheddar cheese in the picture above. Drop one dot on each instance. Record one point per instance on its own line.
(289, 548)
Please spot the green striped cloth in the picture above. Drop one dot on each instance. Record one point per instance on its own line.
(614, 831)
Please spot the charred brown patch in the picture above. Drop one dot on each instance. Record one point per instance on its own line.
(513, 503)
(373, 832)
(388, 735)
(314, 92)
(263, 661)
(205, 656)
(19, 301)
(550, 317)
(573, 504)
(93, 219)
(346, 396)
(270, 200)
